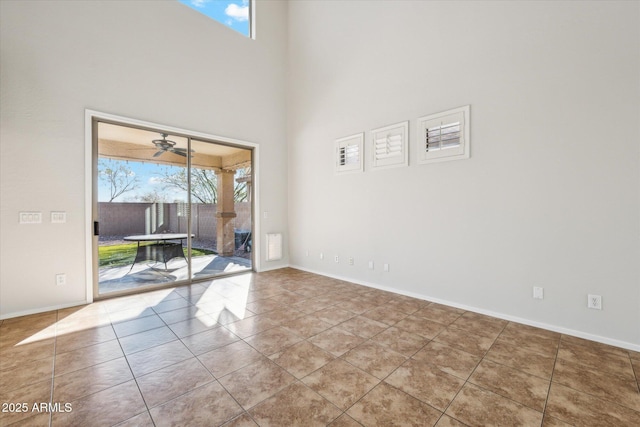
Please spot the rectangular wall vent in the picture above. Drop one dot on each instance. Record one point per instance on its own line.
(389, 146)
(349, 153)
(274, 247)
(444, 136)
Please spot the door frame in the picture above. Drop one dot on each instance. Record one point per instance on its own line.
(91, 187)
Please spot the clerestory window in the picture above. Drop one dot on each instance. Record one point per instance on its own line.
(235, 14)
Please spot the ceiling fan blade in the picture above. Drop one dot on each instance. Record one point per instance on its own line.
(179, 153)
(182, 150)
(158, 153)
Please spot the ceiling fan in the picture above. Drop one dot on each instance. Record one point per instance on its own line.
(165, 145)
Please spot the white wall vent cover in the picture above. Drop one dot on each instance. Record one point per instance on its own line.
(444, 136)
(389, 146)
(274, 247)
(349, 153)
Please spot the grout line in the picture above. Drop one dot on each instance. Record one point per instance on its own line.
(133, 376)
(636, 371)
(555, 361)
(466, 381)
(53, 362)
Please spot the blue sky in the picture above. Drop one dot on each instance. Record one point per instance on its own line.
(233, 13)
(147, 175)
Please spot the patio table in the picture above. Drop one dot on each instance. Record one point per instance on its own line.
(164, 248)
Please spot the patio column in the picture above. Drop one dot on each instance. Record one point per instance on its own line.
(247, 180)
(225, 213)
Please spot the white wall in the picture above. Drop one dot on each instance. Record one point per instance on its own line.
(550, 195)
(155, 61)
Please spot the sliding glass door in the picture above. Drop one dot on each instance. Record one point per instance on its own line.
(220, 189)
(169, 208)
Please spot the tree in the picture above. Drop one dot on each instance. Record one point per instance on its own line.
(204, 183)
(240, 192)
(117, 174)
(152, 197)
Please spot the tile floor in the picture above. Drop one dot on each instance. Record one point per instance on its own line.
(289, 348)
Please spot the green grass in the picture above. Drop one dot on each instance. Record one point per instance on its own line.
(124, 254)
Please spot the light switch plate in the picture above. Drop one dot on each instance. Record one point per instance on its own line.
(58, 217)
(30, 217)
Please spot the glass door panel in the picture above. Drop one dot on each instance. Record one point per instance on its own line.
(220, 209)
(142, 208)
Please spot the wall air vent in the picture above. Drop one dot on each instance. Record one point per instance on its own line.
(349, 153)
(444, 136)
(274, 247)
(389, 146)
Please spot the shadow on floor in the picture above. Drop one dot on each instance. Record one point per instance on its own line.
(112, 279)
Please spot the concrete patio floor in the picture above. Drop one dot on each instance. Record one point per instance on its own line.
(112, 279)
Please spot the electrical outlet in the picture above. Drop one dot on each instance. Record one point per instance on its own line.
(594, 301)
(370, 265)
(386, 267)
(321, 255)
(350, 260)
(538, 292)
(61, 279)
(336, 259)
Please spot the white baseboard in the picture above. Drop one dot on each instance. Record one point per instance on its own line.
(554, 328)
(42, 310)
(264, 268)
